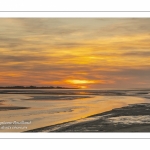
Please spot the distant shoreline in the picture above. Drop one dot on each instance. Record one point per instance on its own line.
(58, 87)
(34, 87)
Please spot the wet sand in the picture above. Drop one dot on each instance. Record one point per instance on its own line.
(56, 97)
(65, 111)
(132, 118)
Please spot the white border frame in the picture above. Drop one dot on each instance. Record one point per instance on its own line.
(76, 135)
(73, 14)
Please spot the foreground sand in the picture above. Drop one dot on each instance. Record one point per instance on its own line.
(132, 118)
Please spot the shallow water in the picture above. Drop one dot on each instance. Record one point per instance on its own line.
(50, 109)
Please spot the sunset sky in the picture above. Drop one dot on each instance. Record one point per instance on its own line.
(70, 52)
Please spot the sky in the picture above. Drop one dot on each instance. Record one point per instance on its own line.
(75, 52)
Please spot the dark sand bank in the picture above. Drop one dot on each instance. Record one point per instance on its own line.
(1, 102)
(56, 97)
(12, 108)
(132, 118)
(4, 107)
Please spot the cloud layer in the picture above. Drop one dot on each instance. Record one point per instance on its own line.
(89, 52)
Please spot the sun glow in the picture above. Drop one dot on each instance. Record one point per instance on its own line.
(83, 87)
(80, 81)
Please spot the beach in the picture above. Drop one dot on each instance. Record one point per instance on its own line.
(132, 118)
(75, 110)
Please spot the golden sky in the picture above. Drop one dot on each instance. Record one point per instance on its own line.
(75, 52)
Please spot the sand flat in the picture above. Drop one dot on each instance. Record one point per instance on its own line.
(132, 118)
